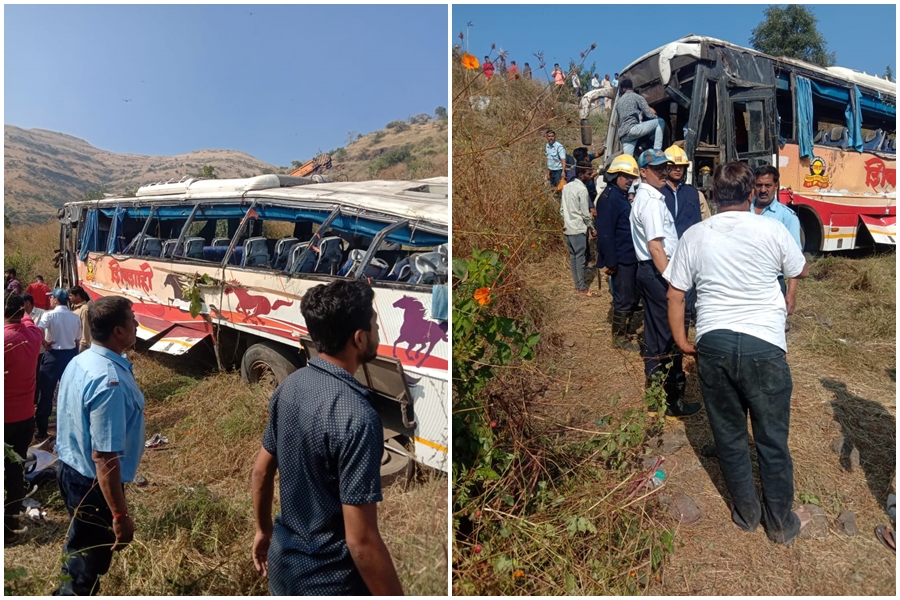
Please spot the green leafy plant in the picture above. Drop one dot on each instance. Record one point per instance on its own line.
(193, 294)
(483, 342)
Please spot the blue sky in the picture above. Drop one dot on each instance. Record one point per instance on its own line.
(864, 37)
(280, 84)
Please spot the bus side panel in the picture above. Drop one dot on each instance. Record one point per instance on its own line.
(852, 173)
(267, 305)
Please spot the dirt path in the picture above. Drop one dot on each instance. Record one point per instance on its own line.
(588, 379)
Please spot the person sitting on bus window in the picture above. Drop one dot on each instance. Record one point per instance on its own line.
(636, 119)
(326, 440)
(766, 204)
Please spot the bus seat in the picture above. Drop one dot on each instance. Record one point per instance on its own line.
(193, 247)
(151, 247)
(429, 268)
(401, 271)
(256, 254)
(221, 241)
(838, 137)
(283, 252)
(353, 259)
(889, 144)
(820, 137)
(309, 262)
(168, 248)
(377, 269)
(330, 255)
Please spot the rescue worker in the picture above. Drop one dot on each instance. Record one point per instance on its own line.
(615, 249)
(686, 203)
(655, 241)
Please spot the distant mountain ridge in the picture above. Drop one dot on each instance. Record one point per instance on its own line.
(45, 169)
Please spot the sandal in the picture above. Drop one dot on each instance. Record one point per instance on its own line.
(586, 293)
(804, 516)
(886, 536)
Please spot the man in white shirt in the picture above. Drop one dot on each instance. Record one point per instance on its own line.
(655, 239)
(741, 345)
(62, 332)
(576, 213)
(595, 82)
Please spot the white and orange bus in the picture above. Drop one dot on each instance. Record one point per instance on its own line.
(830, 131)
(225, 263)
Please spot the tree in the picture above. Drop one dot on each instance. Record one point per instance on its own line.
(440, 112)
(792, 32)
(207, 172)
(888, 73)
(295, 163)
(95, 194)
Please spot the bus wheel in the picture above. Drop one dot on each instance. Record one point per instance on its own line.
(810, 232)
(269, 362)
(394, 465)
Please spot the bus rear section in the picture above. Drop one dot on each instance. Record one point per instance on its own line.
(830, 131)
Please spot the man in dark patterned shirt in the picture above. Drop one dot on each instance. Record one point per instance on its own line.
(326, 441)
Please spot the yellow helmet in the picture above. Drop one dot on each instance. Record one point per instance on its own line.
(677, 156)
(624, 163)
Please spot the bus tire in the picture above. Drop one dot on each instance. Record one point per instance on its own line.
(810, 231)
(267, 359)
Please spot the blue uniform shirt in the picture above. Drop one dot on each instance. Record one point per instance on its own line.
(100, 407)
(555, 155)
(328, 442)
(778, 211)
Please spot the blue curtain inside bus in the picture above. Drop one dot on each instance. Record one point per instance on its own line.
(804, 117)
(853, 114)
(115, 227)
(89, 239)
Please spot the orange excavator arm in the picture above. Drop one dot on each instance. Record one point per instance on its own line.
(320, 163)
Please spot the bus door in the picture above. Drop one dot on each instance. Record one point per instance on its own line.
(750, 123)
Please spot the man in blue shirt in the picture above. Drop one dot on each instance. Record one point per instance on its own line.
(556, 159)
(766, 204)
(100, 441)
(326, 440)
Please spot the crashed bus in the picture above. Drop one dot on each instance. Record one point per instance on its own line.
(830, 131)
(225, 264)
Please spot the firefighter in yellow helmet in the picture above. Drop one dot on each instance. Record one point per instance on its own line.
(688, 207)
(615, 250)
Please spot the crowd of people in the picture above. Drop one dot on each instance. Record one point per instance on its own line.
(511, 71)
(671, 263)
(324, 438)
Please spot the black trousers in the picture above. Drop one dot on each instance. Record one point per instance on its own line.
(53, 365)
(659, 349)
(18, 435)
(88, 548)
(624, 288)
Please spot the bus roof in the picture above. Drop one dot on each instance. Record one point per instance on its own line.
(423, 199)
(690, 46)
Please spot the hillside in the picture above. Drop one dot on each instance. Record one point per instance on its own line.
(45, 169)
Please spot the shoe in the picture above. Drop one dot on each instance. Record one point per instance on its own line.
(40, 437)
(621, 340)
(682, 409)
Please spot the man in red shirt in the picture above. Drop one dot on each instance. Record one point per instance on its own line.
(488, 67)
(39, 291)
(513, 71)
(21, 345)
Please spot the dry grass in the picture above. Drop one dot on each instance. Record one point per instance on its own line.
(29, 249)
(194, 519)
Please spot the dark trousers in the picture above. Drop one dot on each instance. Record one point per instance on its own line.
(53, 365)
(555, 178)
(783, 285)
(37, 379)
(741, 374)
(624, 288)
(659, 349)
(18, 435)
(88, 548)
